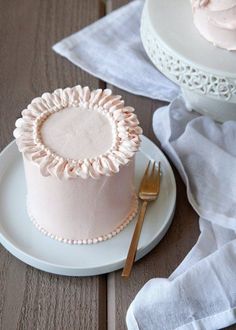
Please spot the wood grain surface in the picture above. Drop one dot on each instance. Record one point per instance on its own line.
(29, 298)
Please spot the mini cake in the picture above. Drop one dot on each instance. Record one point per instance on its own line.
(78, 149)
(216, 21)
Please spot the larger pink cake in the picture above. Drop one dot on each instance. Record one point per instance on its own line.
(216, 21)
(78, 148)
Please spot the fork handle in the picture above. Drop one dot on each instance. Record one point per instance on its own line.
(134, 243)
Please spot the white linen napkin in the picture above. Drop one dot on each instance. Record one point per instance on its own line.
(111, 50)
(201, 293)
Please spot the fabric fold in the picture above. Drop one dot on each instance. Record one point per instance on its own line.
(111, 49)
(201, 292)
(200, 298)
(205, 155)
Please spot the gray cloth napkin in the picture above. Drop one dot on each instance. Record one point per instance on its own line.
(111, 50)
(201, 293)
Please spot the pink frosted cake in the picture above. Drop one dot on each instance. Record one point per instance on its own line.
(216, 21)
(78, 148)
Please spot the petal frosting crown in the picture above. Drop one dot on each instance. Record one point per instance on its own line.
(125, 124)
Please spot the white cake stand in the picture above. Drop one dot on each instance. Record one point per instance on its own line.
(206, 74)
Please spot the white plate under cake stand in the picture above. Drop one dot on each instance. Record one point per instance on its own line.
(205, 73)
(20, 237)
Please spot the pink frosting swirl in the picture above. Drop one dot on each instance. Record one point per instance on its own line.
(127, 139)
(200, 3)
(216, 21)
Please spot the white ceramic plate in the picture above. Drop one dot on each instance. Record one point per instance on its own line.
(19, 236)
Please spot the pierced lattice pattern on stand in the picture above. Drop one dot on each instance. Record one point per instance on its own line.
(184, 74)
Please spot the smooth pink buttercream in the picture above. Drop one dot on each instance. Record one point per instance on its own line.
(70, 133)
(78, 148)
(216, 21)
(79, 209)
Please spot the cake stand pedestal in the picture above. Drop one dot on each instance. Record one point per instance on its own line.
(206, 74)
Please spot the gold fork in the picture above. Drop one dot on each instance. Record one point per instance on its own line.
(148, 192)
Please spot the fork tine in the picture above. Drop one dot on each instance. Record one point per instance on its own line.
(158, 176)
(147, 168)
(153, 170)
(154, 178)
(145, 176)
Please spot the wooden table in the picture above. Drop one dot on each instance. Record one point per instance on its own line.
(29, 298)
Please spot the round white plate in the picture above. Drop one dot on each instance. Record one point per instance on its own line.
(19, 236)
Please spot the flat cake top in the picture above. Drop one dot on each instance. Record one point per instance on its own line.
(78, 132)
